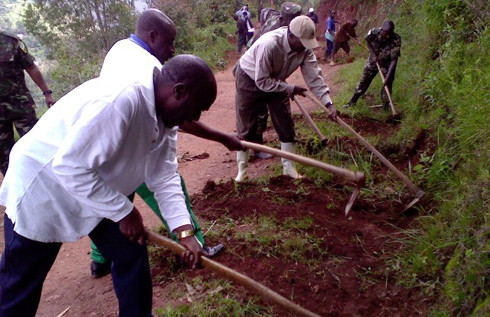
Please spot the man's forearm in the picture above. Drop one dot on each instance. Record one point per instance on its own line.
(37, 77)
(391, 70)
(201, 130)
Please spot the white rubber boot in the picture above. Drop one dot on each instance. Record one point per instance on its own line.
(242, 161)
(288, 165)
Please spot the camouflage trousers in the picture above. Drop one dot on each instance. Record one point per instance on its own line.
(18, 113)
(370, 71)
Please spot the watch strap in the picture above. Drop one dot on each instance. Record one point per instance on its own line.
(185, 234)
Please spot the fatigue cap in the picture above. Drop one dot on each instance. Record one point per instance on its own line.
(290, 10)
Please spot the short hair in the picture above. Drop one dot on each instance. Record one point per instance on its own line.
(153, 19)
(195, 74)
(389, 25)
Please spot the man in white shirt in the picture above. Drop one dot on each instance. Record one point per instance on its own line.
(261, 83)
(126, 62)
(70, 175)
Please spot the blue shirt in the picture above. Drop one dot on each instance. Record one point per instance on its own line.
(140, 42)
(330, 24)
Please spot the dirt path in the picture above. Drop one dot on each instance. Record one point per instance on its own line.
(69, 283)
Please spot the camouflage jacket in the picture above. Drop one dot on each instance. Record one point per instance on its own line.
(386, 50)
(14, 58)
(271, 19)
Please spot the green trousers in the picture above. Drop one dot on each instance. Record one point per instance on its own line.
(149, 197)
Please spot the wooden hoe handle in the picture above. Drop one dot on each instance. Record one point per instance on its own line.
(352, 176)
(233, 275)
(310, 121)
(371, 148)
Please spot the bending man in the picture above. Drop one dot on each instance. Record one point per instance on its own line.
(384, 46)
(127, 62)
(71, 175)
(261, 77)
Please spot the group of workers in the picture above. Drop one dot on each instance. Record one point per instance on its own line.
(76, 172)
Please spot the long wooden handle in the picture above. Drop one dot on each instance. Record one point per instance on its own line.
(356, 177)
(233, 275)
(371, 148)
(392, 106)
(310, 120)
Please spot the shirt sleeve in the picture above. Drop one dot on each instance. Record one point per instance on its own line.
(165, 182)
(25, 59)
(77, 161)
(396, 51)
(263, 72)
(371, 35)
(312, 75)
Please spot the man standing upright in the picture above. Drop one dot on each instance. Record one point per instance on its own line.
(384, 46)
(329, 34)
(312, 15)
(16, 103)
(261, 77)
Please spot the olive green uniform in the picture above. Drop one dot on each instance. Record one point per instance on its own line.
(16, 103)
(387, 50)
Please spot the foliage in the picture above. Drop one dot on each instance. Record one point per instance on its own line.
(443, 86)
(203, 27)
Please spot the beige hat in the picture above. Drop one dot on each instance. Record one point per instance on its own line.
(304, 28)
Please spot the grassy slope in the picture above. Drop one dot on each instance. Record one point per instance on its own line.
(442, 86)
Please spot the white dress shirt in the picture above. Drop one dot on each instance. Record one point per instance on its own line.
(88, 152)
(127, 62)
(270, 61)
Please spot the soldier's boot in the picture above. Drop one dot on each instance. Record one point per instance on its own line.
(288, 165)
(242, 162)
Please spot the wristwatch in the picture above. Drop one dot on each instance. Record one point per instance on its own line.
(185, 234)
(47, 92)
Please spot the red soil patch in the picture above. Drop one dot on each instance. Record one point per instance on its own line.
(353, 276)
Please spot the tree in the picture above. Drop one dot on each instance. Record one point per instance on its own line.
(78, 34)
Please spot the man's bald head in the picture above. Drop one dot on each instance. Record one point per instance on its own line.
(184, 89)
(387, 29)
(153, 19)
(158, 31)
(193, 72)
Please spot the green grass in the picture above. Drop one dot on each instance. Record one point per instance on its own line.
(210, 298)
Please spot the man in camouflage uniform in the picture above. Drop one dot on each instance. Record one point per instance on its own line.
(385, 46)
(272, 20)
(16, 103)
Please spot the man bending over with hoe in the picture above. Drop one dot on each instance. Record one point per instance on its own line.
(128, 61)
(260, 77)
(71, 175)
(384, 46)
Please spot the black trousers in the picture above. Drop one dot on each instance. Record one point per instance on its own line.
(25, 264)
(251, 103)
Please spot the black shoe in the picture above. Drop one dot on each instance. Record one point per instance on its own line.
(100, 269)
(211, 252)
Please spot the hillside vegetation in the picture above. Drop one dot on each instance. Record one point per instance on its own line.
(443, 88)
